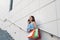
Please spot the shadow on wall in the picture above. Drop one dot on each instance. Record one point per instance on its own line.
(4, 35)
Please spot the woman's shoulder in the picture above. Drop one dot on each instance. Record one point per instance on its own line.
(33, 22)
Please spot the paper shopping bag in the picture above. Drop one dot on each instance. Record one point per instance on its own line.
(36, 33)
(31, 34)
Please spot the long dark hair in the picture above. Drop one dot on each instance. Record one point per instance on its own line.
(33, 18)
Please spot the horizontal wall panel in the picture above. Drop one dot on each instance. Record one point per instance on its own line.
(58, 8)
(58, 28)
(19, 13)
(16, 33)
(50, 28)
(4, 8)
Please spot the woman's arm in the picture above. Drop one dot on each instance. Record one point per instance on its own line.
(34, 25)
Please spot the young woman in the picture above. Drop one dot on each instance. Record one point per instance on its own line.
(31, 26)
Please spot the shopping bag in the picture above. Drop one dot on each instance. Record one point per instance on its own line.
(31, 34)
(36, 33)
(39, 34)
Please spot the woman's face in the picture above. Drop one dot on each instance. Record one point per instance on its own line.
(30, 18)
